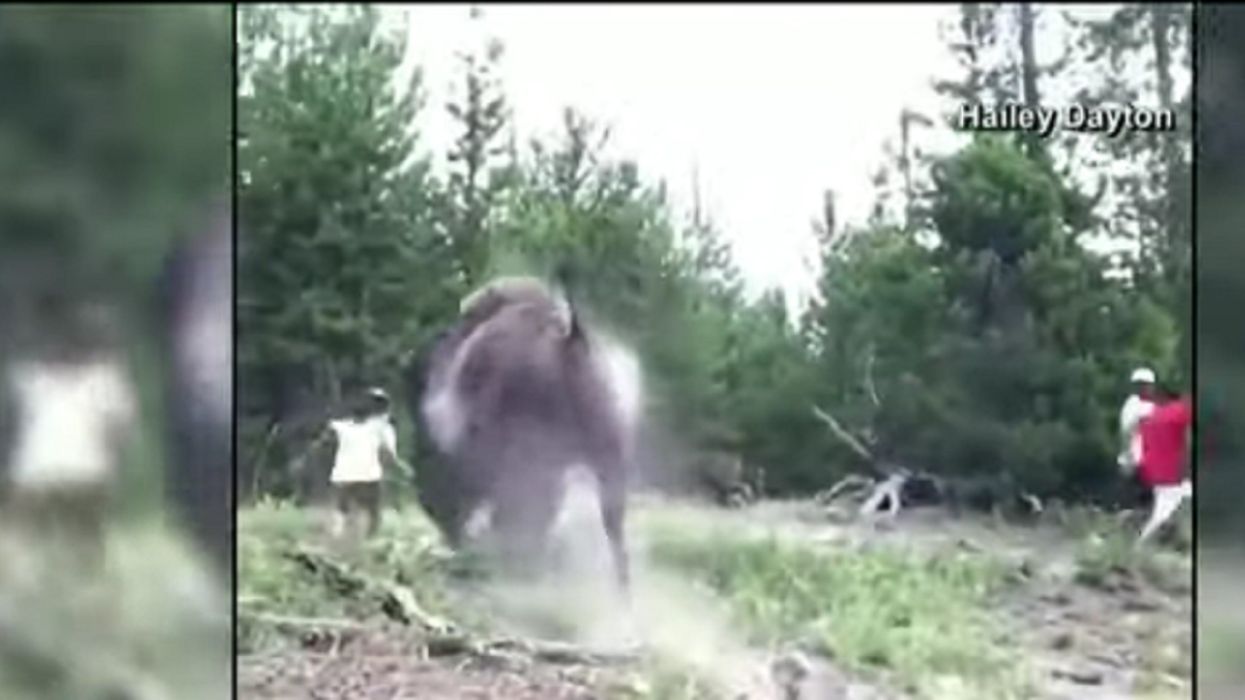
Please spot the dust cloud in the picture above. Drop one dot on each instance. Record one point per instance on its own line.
(665, 618)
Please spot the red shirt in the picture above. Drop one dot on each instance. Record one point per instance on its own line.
(1163, 441)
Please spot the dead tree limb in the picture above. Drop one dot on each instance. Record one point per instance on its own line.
(460, 643)
(286, 622)
(848, 439)
(892, 478)
(396, 601)
(560, 652)
(259, 461)
(440, 638)
(889, 490)
(870, 387)
(1034, 503)
(852, 482)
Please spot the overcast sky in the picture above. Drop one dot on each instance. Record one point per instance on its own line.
(773, 104)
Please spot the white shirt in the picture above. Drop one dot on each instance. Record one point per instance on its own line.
(68, 417)
(358, 448)
(1135, 409)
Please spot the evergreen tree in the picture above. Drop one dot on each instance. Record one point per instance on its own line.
(341, 249)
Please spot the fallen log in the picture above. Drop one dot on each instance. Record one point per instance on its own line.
(888, 491)
(396, 601)
(286, 622)
(852, 482)
(442, 637)
(561, 652)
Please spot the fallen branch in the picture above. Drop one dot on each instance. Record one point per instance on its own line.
(396, 601)
(851, 481)
(451, 644)
(462, 644)
(869, 385)
(560, 652)
(336, 575)
(888, 490)
(1034, 503)
(260, 460)
(286, 622)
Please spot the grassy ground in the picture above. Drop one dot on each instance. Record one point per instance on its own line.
(917, 618)
(931, 607)
(143, 620)
(1221, 623)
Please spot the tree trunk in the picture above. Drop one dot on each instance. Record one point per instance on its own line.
(1161, 26)
(1160, 23)
(1029, 72)
(907, 119)
(905, 165)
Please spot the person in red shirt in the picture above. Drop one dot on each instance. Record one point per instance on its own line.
(1164, 445)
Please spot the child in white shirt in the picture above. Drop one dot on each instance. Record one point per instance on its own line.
(363, 440)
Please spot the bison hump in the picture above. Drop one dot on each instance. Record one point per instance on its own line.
(520, 354)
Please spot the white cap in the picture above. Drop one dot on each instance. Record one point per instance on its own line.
(1143, 375)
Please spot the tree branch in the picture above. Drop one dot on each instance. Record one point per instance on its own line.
(851, 481)
(843, 435)
(888, 490)
(869, 385)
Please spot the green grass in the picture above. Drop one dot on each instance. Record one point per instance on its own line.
(1105, 548)
(270, 583)
(918, 620)
(146, 624)
(267, 582)
(142, 480)
(1220, 648)
(1220, 628)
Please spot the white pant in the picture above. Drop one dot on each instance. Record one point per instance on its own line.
(1166, 500)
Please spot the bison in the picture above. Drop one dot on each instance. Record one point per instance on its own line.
(197, 326)
(512, 396)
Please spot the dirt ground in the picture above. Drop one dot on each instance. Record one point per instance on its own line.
(388, 664)
(388, 667)
(1089, 642)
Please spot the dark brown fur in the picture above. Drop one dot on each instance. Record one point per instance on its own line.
(197, 288)
(535, 402)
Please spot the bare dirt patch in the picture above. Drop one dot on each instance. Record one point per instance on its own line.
(390, 664)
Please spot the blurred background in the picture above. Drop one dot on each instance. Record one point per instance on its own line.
(115, 141)
(1220, 363)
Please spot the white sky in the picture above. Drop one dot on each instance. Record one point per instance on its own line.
(773, 103)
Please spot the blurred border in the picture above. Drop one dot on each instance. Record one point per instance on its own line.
(1219, 248)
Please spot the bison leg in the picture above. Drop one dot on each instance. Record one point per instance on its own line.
(523, 517)
(613, 514)
(455, 516)
(449, 499)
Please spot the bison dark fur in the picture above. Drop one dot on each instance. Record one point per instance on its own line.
(197, 323)
(512, 396)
